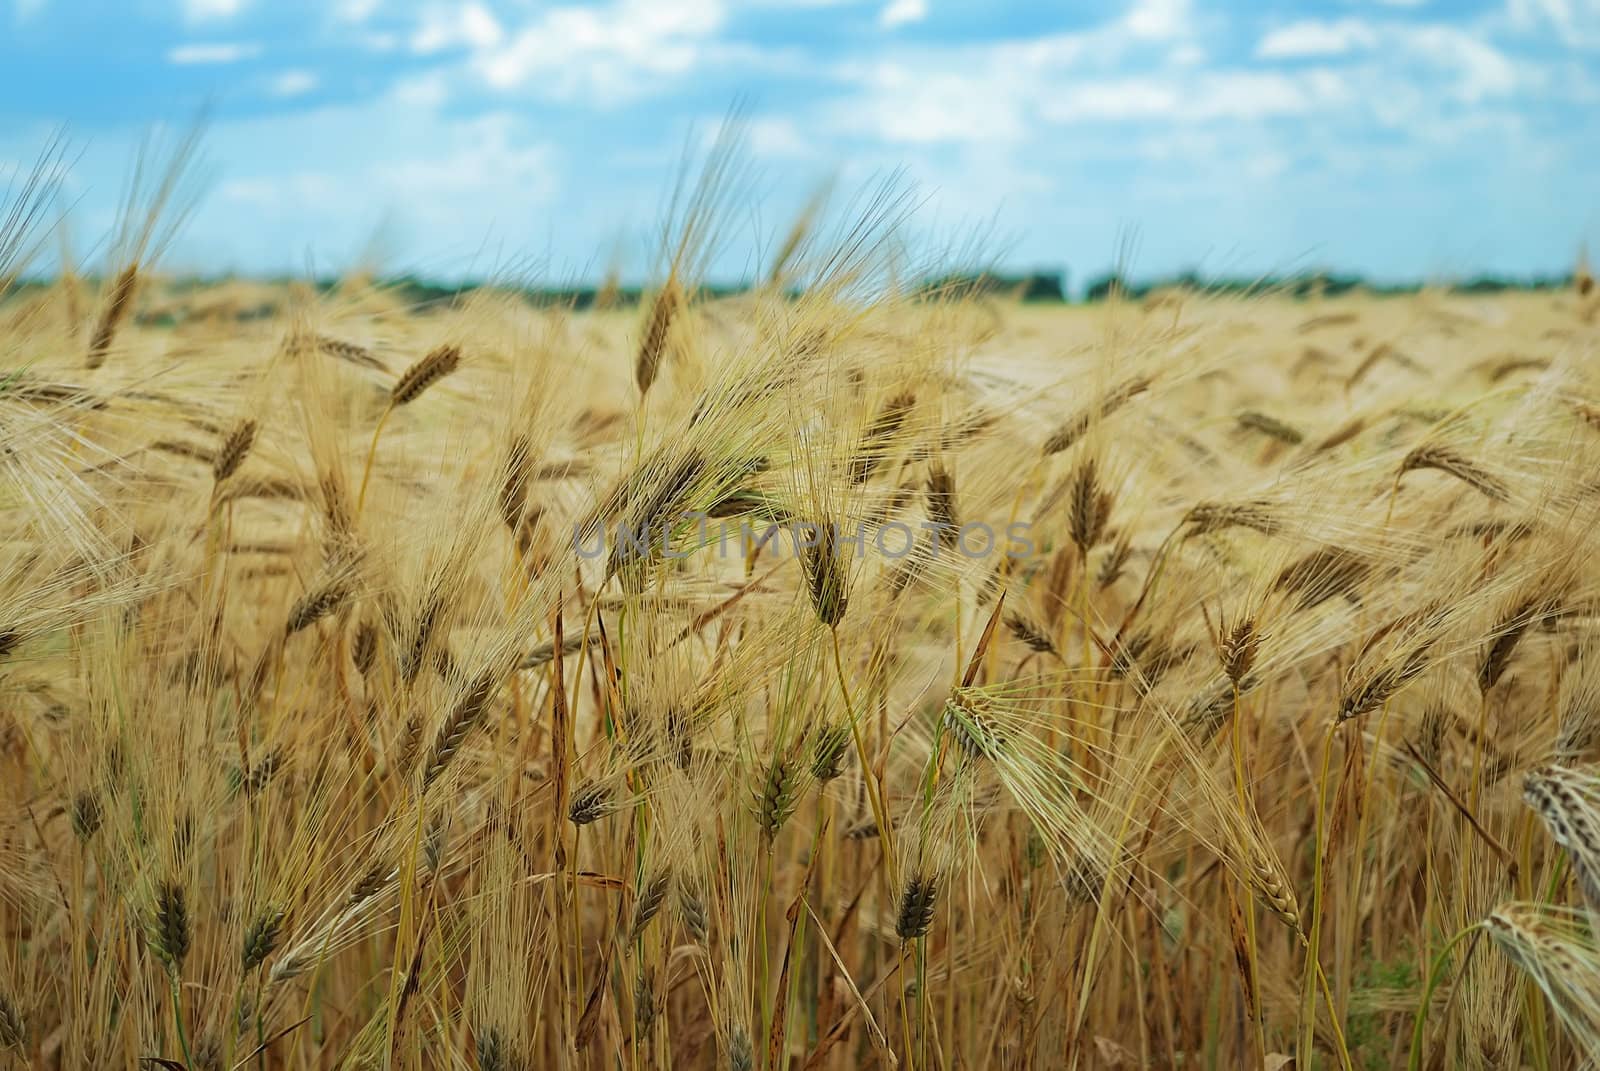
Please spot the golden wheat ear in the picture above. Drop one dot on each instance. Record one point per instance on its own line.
(155, 207)
(1557, 952)
(433, 366)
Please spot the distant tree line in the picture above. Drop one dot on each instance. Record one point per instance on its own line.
(1039, 287)
(1313, 284)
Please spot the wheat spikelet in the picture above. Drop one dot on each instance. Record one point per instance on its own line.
(407, 744)
(778, 797)
(644, 1002)
(1271, 427)
(314, 605)
(1089, 508)
(438, 363)
(1115, 562)
(453, 733)
(1238, 649)
(1083, 879)
(590, 803)
(971, 726)
(740, 1056)
(169, 935)
(1579, 711)
(1364, 694)
(1322, 574)
(350, 352)
(1073, 429)
(1030, 634)
(545, 653)
(915, 913)
(1453, 463)
(1559, 956)
(13, 1027)
(364, 647)
(261, 938)
(22, 387)
(241, 487)
(873, 449)
(87, 814)
(653, 505)
(827, 578)
(653, 344)
(117, 308)
(413, 656)
(648, 903)
(516, 470)
(371, 882)
(1564, 800)
(1507, 633)
(942, 506)
(233, 450)
(1273, 890)
(866, 830)
(1143, 658)
(1331, 319)
(262, 771)
(435, 842)
(1218, 516)
(1208, 709)
(495, 1053)
(828, 752)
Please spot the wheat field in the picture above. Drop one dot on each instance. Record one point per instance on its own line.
(838, 674)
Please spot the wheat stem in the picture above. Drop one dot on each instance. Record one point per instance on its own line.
(1435, 976)
(879, 812)
(177, 1019)
(372, 453)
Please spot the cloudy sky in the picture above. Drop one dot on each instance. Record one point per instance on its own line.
(1400, 138)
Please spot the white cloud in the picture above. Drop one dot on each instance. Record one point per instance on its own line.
(776, 136)
(918, 105)
(1312, 37)
(198, 10)
(604, 51)
(1146, 65)
(487, 145)
(1481, 69)
(306, 187)
(1425, 59)
(293, 83)
(217, 52)
(428, 91)
(1127, 98)
(470, 26)
(990, 94)
(26, 9)
(1575, 22)
(452, 182)
(902, 13)
(356, 10)
(1216, 95)
(1157, 20)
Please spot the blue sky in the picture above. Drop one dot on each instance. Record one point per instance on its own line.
(1400, 138)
